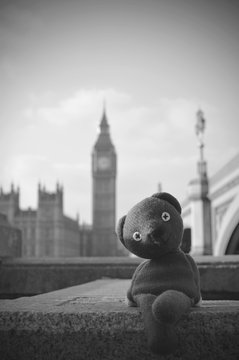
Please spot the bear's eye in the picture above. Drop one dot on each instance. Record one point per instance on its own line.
(137, 236)
(165, 216)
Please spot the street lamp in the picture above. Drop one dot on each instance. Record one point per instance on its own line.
(200, 128)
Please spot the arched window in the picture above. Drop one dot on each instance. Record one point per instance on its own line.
(233, 245)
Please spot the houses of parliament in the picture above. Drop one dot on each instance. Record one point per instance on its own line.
(48, 232)
(210, 212)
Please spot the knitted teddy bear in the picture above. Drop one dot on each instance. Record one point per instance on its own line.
(166, 285)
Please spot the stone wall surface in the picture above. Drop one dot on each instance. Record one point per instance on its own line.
(10, 239)
(92, 321)
(219, 275)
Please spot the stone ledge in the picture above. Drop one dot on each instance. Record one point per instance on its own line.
(108, 260)
(219, 275)
(91, 321)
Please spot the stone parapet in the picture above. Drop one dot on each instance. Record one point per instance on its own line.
(92, 321)
(219, 275)
(35, 276)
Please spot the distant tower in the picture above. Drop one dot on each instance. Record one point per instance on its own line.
(104, 163)
(198, 196)
(9, 203)
(49, 222)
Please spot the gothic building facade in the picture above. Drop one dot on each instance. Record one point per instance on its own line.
(46, 231)
(10, 239)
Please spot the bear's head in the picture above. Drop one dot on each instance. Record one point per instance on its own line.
(153, 227)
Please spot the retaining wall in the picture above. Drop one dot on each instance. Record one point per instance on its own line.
(18, 277)
(92, 322)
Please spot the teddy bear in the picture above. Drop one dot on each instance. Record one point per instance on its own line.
(166, 285)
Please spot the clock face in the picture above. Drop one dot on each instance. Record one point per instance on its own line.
(103, 163)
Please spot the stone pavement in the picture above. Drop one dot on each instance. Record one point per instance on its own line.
(92, 321)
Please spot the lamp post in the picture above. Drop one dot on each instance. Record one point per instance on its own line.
(200, 204)
(200, 129)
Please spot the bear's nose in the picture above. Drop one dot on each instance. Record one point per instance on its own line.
(156, 235)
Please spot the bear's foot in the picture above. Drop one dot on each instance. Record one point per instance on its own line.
(162, 338)
(170, 306)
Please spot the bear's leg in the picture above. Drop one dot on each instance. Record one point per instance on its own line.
(161, 336)
(170, 306)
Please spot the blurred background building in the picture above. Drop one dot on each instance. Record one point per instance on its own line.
(48, 232)
(210, 212)
(104, 169)
(10, 239)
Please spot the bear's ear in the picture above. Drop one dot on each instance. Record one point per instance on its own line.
(119, 229)
(169, 198)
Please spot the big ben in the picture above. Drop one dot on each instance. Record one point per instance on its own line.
(104, 168)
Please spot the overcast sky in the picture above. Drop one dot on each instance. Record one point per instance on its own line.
(154, 62)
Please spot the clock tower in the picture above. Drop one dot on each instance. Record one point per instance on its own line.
(104, 242)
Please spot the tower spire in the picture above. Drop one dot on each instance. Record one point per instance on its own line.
(104, 105)
(104, 126)
(104, 141)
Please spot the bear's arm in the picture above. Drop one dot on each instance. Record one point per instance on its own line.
(196, 275)
(130, 299)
